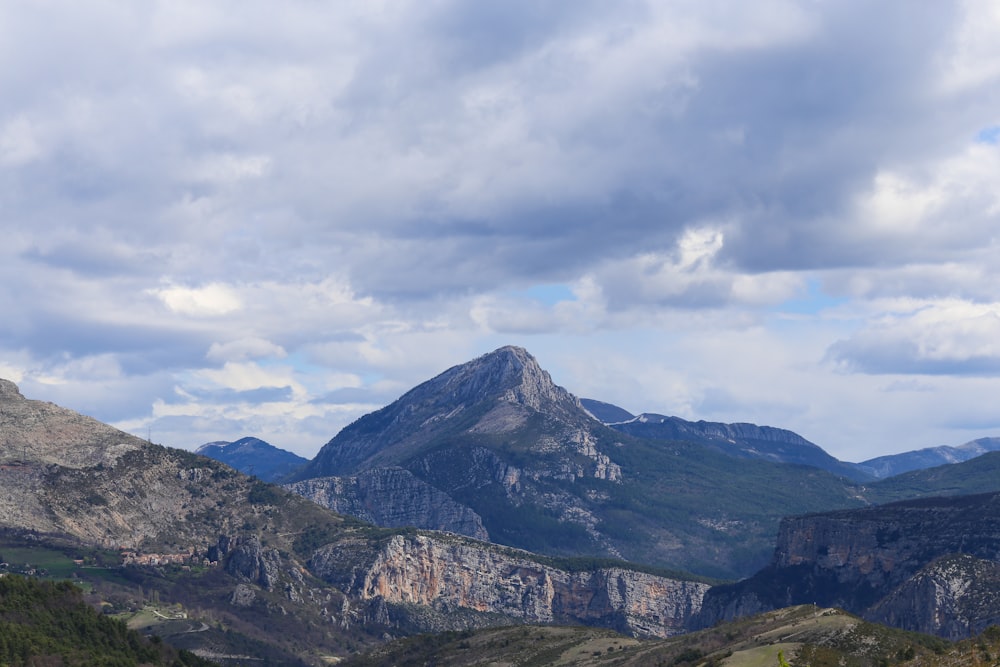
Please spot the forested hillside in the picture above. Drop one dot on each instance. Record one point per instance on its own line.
(48, 623)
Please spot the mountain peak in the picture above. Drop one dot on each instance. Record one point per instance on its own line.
(509, 373)
(253, 456)
(494, 393)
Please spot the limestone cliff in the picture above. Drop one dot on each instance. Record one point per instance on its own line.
(920, 565)
(83, 484)
(392, 497)
(449, 573)
(953, 597)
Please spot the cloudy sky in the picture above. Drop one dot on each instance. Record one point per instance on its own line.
(253, 218)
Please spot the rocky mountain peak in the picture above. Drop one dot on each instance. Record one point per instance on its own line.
(509, 373)
(495, 393)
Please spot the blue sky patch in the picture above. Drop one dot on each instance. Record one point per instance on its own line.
(989, 135)
(814, 301)
(549, 294)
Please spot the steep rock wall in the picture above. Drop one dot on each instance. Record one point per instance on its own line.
(446, 574)
(886, 563)
(953, 597)
(392, 497)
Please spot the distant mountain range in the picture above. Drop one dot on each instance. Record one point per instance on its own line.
(780, 445)
(747, 441)
(253, 456)
(931, 457)
(263, 460)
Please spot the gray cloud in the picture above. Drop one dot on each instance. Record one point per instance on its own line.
(347, 199)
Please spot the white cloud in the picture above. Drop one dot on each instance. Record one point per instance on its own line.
(210, 300)
(245, 348)
(228, 168)
(10, 372)
(937, 207)
(951, 337)
(974, 59)
(248, 375)
(19, 142)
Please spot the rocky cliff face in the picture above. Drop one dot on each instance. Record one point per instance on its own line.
(884, 563)
(392, 497)
(443, 573)
(953, 597)
(81, 482)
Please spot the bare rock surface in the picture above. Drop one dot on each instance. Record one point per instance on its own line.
(441, 573)
(930, 565)
(392, 497)
(42, 432)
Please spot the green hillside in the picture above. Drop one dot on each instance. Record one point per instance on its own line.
(978, 475)
(48, 623)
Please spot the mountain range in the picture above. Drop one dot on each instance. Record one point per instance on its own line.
(931, 457)
(169, 527)
(495, 450)
(544, 515)
(518, 460)
(781, 445)
(747, 441)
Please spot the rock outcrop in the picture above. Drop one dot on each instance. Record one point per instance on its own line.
(254, 563)
(497, 393)
(443, 574)
(953, 597)
(920, 565)
(392, 497)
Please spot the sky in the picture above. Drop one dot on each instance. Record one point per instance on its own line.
(222, 219)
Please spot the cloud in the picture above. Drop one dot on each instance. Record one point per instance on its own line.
(245, 348)
(930, 338)
(212, 299)
(310, 211)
